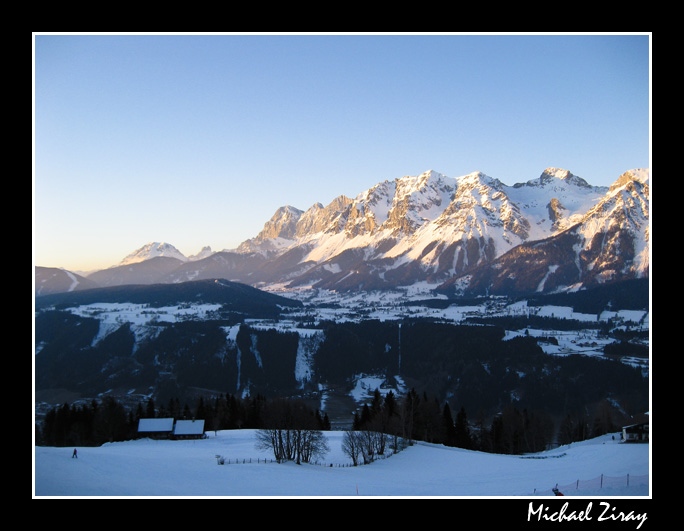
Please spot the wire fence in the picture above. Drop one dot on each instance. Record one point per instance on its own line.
(596, 484)
(221, 460)
(579, 487)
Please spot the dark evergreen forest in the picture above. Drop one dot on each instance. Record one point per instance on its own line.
(473, 367)
(101, 421)
(468, 385)
(414, 417)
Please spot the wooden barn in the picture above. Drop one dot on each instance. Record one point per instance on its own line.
(637, 432)
(155, 428)
(189, 429)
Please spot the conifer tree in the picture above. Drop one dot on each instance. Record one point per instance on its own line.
(366, 416)
(390, 405)
(448, 426)
(356, 424)
(149, 410)
(462, 435)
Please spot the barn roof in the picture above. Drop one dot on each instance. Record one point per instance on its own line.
(155, 425)
(189, 427)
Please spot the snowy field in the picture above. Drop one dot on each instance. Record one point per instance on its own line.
(190, 469)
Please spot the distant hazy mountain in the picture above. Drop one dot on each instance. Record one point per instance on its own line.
(53, 280)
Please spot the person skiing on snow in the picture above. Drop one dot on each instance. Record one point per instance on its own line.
(556, 491)
(74, 454)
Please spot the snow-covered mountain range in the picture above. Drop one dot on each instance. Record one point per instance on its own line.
(468, 235)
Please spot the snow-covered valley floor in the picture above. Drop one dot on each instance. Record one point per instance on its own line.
(190, 469)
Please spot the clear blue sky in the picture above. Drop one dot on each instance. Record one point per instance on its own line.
(197, 139)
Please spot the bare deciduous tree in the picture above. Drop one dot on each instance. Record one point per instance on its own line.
(299, 445)
(351, 446)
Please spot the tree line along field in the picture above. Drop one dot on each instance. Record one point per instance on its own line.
(385, 421)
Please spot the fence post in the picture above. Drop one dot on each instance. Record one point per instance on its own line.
(601, 481)
(628, 480)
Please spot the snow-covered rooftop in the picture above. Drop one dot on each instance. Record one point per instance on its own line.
(189, 427)
(154, 425)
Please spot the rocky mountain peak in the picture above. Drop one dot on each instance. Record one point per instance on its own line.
(551, 174)
(283, 224)
(152, 250)
(641, 176)
(557, 177)
(324, 219)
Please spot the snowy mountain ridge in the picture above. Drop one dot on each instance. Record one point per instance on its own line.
(434, 228)
(418, 210)
(452, 233)
(609, 242)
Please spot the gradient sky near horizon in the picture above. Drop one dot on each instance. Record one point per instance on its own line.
(197, 139)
